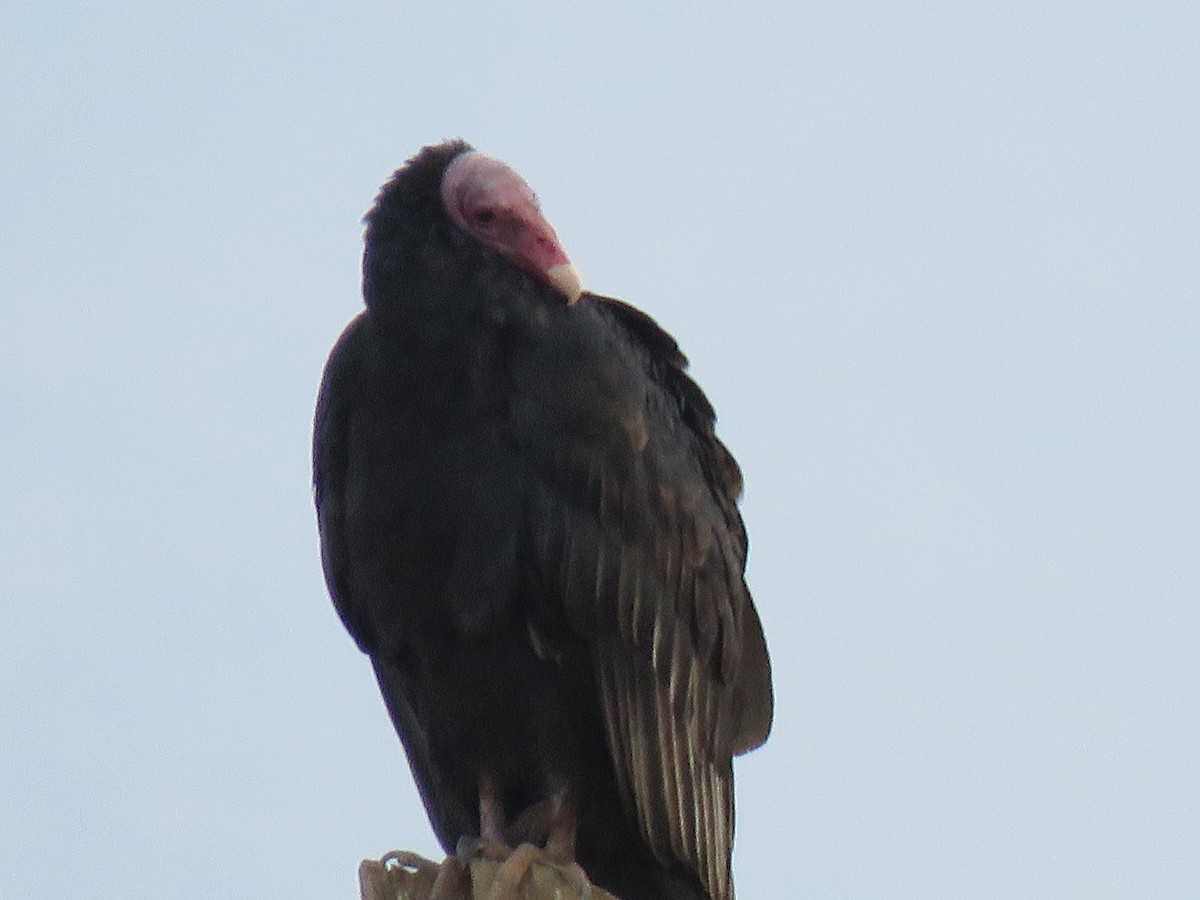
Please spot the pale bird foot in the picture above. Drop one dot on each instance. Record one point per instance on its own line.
(513, 872)
(397, 872)
(470, 847)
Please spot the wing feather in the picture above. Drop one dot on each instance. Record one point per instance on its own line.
(651, 570)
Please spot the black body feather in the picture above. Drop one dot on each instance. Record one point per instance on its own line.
(529, 525)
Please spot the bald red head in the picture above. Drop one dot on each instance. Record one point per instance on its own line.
(492, 203)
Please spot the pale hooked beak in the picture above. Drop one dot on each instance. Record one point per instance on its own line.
(565, 279)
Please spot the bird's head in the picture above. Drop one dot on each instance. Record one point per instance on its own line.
(489, 201)
(469, 201)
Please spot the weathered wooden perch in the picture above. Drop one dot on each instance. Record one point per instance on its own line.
(400, 875)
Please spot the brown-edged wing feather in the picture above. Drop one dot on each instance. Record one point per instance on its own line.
(643, 543)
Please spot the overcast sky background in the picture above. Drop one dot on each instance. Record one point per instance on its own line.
(937, 266)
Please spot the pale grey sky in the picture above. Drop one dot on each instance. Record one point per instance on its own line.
(937, 266)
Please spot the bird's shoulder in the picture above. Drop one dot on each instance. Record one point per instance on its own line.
(339, 383)
(669, 366)
(604, 403)
(413, 462)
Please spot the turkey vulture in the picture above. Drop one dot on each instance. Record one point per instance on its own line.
(530, 527)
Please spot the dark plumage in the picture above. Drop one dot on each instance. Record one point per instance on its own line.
(529, 526)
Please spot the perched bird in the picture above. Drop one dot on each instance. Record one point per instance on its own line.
(529, 526)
